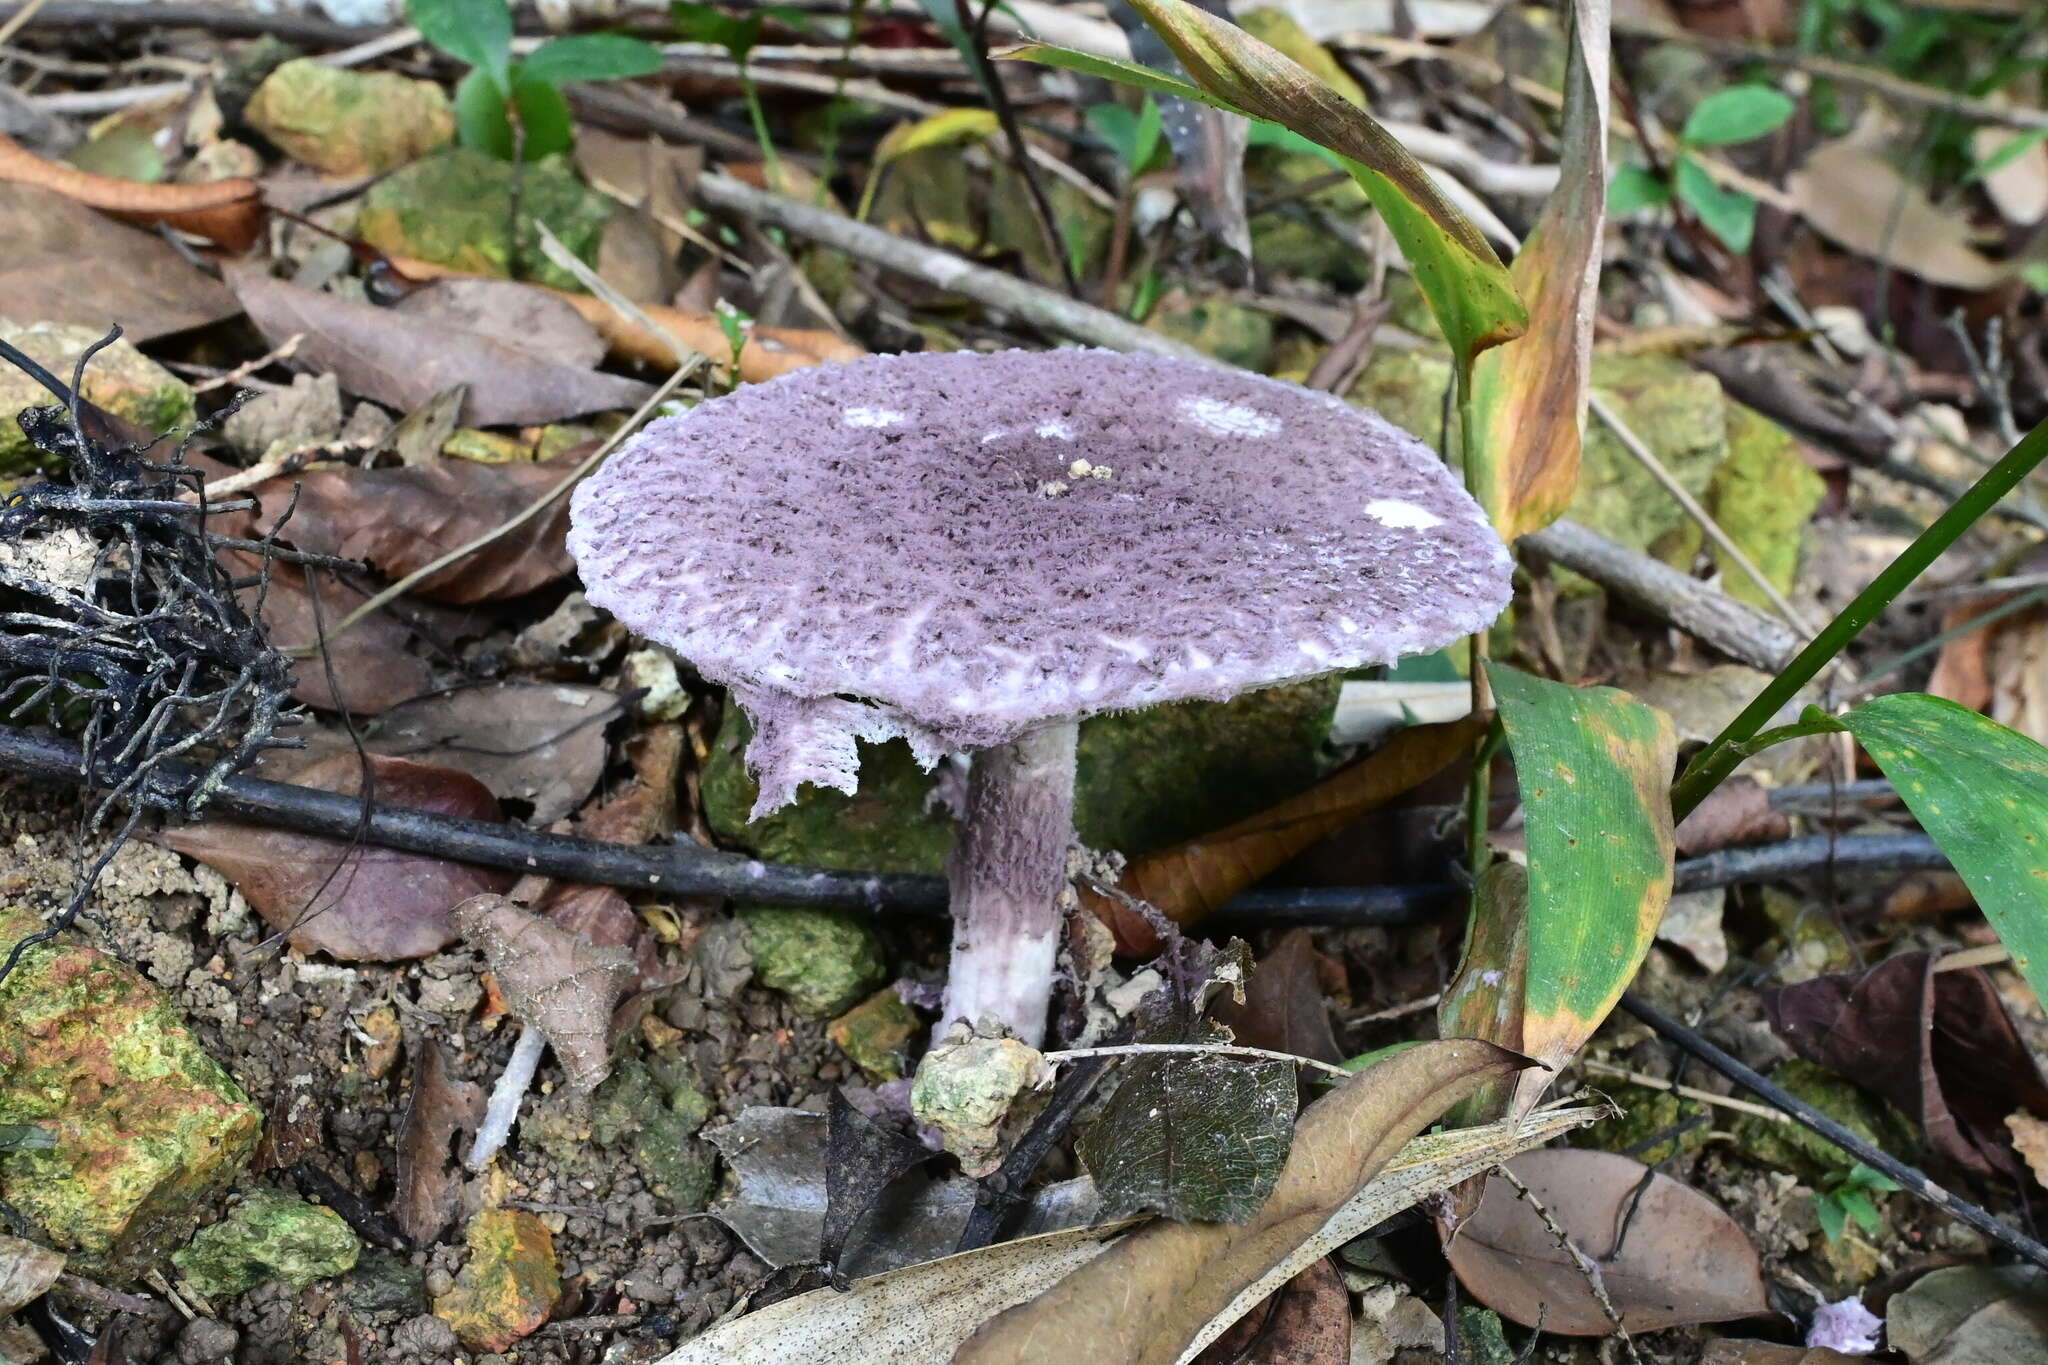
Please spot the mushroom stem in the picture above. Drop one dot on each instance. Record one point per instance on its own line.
(1008, 869)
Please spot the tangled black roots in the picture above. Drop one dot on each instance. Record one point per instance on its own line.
(119, 625)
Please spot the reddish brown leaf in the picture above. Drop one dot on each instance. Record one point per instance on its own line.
(437, 1110)
(1307, 1323)
(66, 263)
(229, 212)
(561, 983)
(355, 903)
(403, 361)
(1666, 1254)
(1738, 812)
(1284, 1009)
(539, 743)
(372, 664)
(1939, 1045)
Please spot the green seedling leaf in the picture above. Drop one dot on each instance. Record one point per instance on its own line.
(1981, 791)
(1635, 188)
(592, 57)
(1464, 282)
(1529, 396)
(1833, 1216)
(707, 24)
(483, 116)
(1594, 766)
(1728, 214)
(1134, 134)
(475, 31)
(1737, 114)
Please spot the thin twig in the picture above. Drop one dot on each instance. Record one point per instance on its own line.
(1075, 1054)
(1649, 1082)
(1579, 1258)
(975, 33)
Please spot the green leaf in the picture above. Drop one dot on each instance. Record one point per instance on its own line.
(1737, 114)
(1464, 282)
(2008, 152)
(1981, 791)
(1594, 768)
(1862, 1210)
(708, 24)
(1134, 134)
(475, 31)
(1728, 214)
(26, 1137)
(483, 121)
(1833, 1217)
(592, 57)
(1635, 188)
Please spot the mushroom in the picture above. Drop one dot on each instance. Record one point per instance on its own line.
(973, 552)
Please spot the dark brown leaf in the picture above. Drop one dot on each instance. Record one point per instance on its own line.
(1667, 1255)
(403, 361)
(66, 263)
(26, 1270)
(1939, 1045)
(564, 985)
(373, 667)
(1306, 1323)
(1729, 1351)
(1738, 812)
(542, 744)
(358, 904)
(438, 1109)
(1284, 1009)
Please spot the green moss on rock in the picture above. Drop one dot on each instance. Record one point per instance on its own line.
(148, 1128)
(1231, 332)
(1791, 1147)
(822, 960)
(346, 122)
(120, 379)
(451, 208)
(268, 1236)
(652, 1103)
(877, 1033)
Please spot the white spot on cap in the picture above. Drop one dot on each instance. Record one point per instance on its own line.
(1402, 516)
(1055, 430)
(1080, 469)
(1228, 419)
(872, 417)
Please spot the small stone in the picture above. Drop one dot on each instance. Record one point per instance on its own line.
(346, 122)
(425, 1335)
(876, 1034)
(451, 209)
(974, 1089)
(655, 1103)
(149, 1129)
(205, 1340)
(652, 672)
(509, 1285)
(268, 1236)
(383, 1283)
(120, 379)
(823, 961)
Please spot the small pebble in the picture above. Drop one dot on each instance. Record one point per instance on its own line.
(425, 1335)
(205, 1340)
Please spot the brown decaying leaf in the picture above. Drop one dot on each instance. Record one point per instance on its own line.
(1939, 1045)
(1737, 812)
(564, 985)
(522, 316)
(403, 361)
(1666, 1254)
(1191, 880)
(1306, 1323)
(1150, 1296)
(355, 903)
(26, 1270)
(538, 743)
(66, 263)
(770, 351)
(1971, 1315)
(106, 1347)
(1486, 996)
(370, 665)
(1283, 1009)
(2030, 1140)
(1855, 192)
(229, 212)
(398, 520)
(438, 1108)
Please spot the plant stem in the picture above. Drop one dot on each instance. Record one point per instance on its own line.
(1715, 762)
(1008, 869)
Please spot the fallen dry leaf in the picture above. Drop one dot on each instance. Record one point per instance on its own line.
(2030, 1140)
(565, 986)
(354, 902)
(1856, 193)
(66, 263)
(540, 744)
(1939, 1045)
(1666, 1254)
(1191, 880)
(1728, 1351)
(1307, 1323)
(1736, 812)
(535, 320)
(403, 361)
(1284, 1009)
(438, 1109)
(2019, 187)
(1971, 1315)
(26, 1271)
(367, 670)
(229, 212)
(1169, 1288)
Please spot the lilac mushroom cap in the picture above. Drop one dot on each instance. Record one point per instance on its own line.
(958, 549)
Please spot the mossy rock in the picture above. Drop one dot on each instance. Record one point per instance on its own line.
(1288, 239)
(935, 195)
(345, 122)
(1231, 332)
(148, 1129)
(1763, 495)
(825, 961)
(652, 1103)
(1146, 779)
(453, 208)
(1647, 1114)
(877, 1033)
(1794, 1148)
(120, 379)
(268, 1236)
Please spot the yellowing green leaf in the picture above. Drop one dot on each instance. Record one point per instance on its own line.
(1981, 791)
(1594, 767)
(948, 128)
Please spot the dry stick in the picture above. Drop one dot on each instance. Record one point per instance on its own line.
(1579, 1258)
(1912, 1181)
(1649, 1082)
(19, 19)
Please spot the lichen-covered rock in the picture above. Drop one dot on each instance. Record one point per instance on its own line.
(824, 961)
(120, 379)
(876, 1034)
(509, 1285)
(1791, 1147)
(268, 1236)
(1231, 332)
(384, 1283)
(451, 208)
(976, 1090)
(653, 1104)
(348, 122)
(148, 1128)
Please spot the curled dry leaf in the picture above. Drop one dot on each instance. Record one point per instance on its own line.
(537, 743)
(438, 1109)
(1939, 1045)
(563, 985)
(1168, 1289)
(1308, 1322)
(229, 212)
(26, 1270)
(1971, 1315)
(367, 670)
(403, 361)
(1736, 812)
(353, 902)
(1665, 1253)
(398, 520)
(66, 263)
